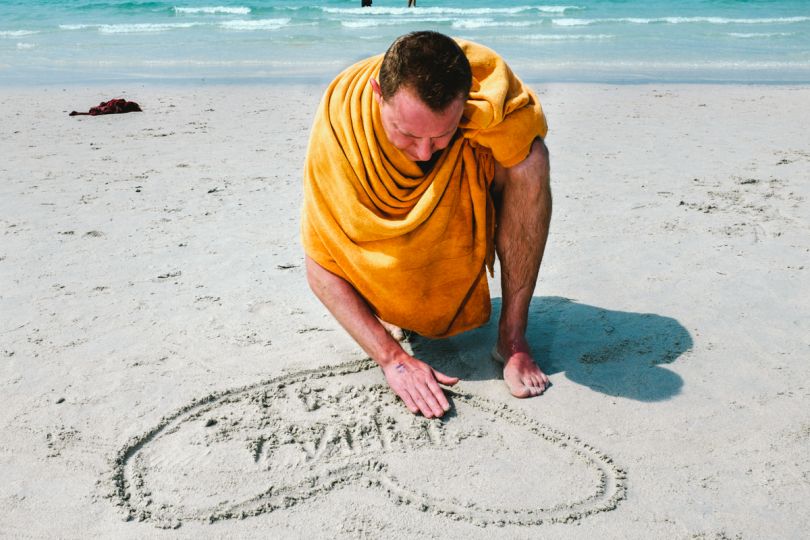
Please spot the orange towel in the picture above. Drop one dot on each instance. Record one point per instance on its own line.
(415, 246)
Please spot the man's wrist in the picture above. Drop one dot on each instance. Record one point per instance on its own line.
(393, 355)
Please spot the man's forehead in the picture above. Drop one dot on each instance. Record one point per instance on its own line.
(413, 117)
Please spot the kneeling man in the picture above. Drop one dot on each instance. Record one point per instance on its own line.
(421, 164)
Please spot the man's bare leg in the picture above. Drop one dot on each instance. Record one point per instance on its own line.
(523, 199)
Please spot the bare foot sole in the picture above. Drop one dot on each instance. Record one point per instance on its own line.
(521, 374)
(395, 331)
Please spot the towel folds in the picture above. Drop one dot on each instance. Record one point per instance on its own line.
(415, 245)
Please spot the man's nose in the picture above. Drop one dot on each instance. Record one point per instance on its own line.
(424, 149)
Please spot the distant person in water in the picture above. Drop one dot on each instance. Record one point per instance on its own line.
(365, 3)
(411, 3)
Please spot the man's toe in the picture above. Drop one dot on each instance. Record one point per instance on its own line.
(520, 391)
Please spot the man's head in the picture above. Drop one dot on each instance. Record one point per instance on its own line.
(431, 65)
(424, 81)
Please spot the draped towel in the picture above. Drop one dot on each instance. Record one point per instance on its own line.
(415, 245)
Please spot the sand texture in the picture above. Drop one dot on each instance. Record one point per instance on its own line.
(165, 371)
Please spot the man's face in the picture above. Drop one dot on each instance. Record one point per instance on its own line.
(415, 129)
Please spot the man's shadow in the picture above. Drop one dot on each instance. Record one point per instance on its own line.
(614, 352)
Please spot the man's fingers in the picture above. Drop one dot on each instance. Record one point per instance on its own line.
(438, 394)
(431, 403)
(409, 402)
(424, 408)
(444, 379)
(418, 387)
(416, 397)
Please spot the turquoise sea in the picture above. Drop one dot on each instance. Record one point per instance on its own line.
(70, 41)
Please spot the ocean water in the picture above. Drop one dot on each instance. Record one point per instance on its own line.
(616, 41)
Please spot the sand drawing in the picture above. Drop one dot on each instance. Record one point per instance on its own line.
(256, 449)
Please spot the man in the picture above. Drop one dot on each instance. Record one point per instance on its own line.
(421, 164)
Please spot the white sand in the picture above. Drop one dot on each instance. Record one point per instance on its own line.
(156, 330)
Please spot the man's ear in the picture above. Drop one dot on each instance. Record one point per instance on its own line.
(375, 86)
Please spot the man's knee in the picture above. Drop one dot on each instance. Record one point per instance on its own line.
(534, 167)
(531, 176)
(538, 160)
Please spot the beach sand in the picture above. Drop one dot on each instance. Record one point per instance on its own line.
(166, 372)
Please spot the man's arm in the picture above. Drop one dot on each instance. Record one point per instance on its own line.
(411, 379)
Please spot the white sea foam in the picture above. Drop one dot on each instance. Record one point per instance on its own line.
(17, 33)
(557, 9)
(489, 23)
(258, 68)
(25, 46)
(259, 24)
(447, 10)
(562, 37)
(575, 22)
(213, 10)
(678, 20)
(370, 23)
(755, 35)
(712, 65)
(141, 27)
(723, 20)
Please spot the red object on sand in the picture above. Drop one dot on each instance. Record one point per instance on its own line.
(114, 106)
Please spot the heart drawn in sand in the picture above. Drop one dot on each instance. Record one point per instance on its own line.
(272, 445)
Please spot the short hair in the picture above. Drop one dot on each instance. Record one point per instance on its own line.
(429, 63)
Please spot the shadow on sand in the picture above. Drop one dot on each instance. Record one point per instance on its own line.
(614, 352)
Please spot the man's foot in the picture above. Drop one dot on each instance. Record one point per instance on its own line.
(395, 331)
(521, 374)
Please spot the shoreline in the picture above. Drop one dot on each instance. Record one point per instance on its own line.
(325, 79)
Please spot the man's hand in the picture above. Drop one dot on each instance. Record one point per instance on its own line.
(411, 379)
(417, 384)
